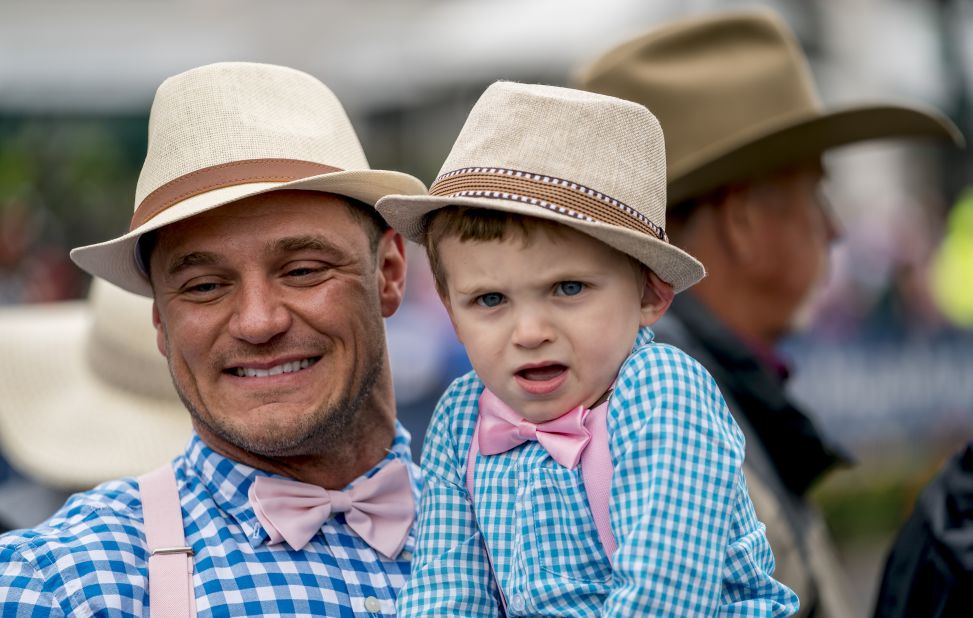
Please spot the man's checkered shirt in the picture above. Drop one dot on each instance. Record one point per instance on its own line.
(89, 559)
(689, 543)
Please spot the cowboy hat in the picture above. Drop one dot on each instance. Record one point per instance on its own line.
(592, 162)
(226, 131)
(86, 396)
(736, 99)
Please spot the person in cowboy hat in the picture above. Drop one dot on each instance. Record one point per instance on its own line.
(745, 132)
(254, 233)
(546, 234)
(113, 413)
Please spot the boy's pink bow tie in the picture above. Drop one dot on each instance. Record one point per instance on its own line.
(501, 429)
(380, 509)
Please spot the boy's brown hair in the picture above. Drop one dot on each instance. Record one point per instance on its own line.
(468, 223)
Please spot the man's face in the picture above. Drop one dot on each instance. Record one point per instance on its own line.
(793, 231)
(270, 313)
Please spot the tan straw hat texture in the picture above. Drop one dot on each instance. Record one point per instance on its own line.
(592, 162)
(226, 131)
(86, 396)
(736, 99)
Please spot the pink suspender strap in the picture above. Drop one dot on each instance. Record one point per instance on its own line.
(596, 472)
(170, 560)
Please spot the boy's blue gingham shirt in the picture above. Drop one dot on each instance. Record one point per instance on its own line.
(89, 559)
(689, 543)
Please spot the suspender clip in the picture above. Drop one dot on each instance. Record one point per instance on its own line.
(161, 551)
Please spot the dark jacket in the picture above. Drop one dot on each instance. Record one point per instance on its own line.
(785, 455)
(929, 572)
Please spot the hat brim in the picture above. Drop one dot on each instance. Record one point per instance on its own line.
(115, 260)
(673, 265)
(63, 425)
(795, 140)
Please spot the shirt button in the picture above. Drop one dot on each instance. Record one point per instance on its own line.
(518, 603)
(373, 605)
(405, 555)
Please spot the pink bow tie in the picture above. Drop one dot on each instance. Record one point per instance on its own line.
(380, 509)
(501, 429)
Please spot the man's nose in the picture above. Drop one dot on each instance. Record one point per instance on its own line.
(532, 328)
(259, 315)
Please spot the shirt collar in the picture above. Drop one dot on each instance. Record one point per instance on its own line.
(644, 337)
(228, 481)
(768, 356)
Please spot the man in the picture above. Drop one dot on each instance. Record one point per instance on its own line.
(271, 274)
(745, 132)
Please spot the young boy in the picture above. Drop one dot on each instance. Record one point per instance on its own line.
(581, 469)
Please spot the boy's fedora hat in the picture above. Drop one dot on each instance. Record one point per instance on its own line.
(226, 131)
(736, 99)
(592, 162)
(85, 394)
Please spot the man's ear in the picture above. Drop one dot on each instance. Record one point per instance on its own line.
(736, 222)
(160, 335)
(391, 269)
(656, 297)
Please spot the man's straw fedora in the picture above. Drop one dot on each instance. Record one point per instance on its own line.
(736, 99)
(226, 131)
(592, 162)
(86, 395)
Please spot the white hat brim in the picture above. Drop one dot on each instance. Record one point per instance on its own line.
(63, 425)
(115, 260)
(673, 265)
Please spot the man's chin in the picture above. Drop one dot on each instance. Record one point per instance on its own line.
(276, 440)
(805, 315)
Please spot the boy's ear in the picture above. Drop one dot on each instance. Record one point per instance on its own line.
(656, 297)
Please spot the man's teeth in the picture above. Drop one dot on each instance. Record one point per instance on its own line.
(246, 372)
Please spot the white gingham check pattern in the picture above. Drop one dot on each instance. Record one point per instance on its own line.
(89, 559)
(689, 543)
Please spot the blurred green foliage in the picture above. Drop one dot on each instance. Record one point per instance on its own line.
(75, 176)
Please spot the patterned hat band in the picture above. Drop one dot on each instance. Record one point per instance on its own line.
(555, 194)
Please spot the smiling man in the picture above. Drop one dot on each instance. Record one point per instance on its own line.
(255, 233)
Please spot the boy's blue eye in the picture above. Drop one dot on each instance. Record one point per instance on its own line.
(569, 288)
(491, 299)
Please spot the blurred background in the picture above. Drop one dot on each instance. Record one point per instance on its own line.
(886, 365)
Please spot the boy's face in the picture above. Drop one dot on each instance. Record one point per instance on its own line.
(546, 323)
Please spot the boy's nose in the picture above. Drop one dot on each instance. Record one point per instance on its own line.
(532, 329)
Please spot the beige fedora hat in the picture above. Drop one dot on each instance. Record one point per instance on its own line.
(736, 99)
(592, 162)
(85, 395)
(226, 131)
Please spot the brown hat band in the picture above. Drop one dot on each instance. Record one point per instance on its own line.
(556, 194)
(224, 175)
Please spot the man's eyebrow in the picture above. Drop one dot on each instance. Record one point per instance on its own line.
(188, 260)
(293, 244)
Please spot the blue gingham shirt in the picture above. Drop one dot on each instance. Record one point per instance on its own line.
(89, 559)
(689, 543)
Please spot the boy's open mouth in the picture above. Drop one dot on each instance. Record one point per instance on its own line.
(288, 367)
(541, 374)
